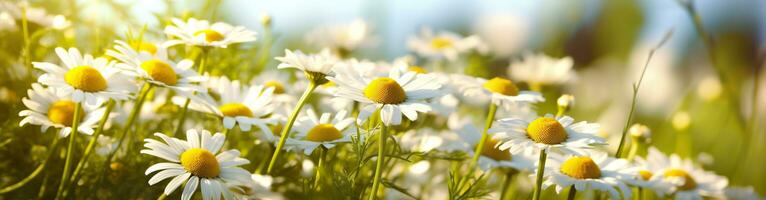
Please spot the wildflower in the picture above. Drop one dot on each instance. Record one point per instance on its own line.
(444, 44)
(87, 79)
(540, 69)
(325, 131)
(194, 162)
(500, 91)
(681, 179)
(315, 66)
(640, 133)
(201, 33)
(49, 107)
(547, 133)
(591, 171)
(151, 63)
(258, 188)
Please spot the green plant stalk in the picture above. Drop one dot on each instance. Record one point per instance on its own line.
(572, 193)
(506, 184)
(162, 196)
(636, 86)
(91, 144)
(634, 146)
(34, 173)
(479, 147)
(200, 70)
(131, 119)
(27, 43)
(379, 162)
(540, 172)
(320, 163)
(68, 162)
(286, 130)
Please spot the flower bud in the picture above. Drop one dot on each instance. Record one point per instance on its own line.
(266, 20)
(565, 102)
(640, 133)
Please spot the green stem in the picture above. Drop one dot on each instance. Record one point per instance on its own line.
(381, 157)
(640, 193)
(68, 162)
(572, 193)
(200, 70)
(479, 147)
(633, 149)
(92, 143)
(540, 172)
(27, 43)
(131, 119)
(506, 184)
(289, 125)
(34, 173)
(322, 152)
(162, 196)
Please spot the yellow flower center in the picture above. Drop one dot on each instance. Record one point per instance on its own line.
(385, 90)
(645, 175)
(235, 110)
(148, 47)
(200, 163)
(323, 133)
(276, 129)
(546, 130)
(62, 112)
(581, 167)
(689, 182)
(501, 86)
(441, 43)
(417, 69)
(329, 84)
(490, 151)
(85, 78)
(210, 35)
(278, 87)
(160, 71)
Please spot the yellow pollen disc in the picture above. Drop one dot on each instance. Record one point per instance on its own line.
(160, 71)
(689, 182)
(210, 35)
(85, 78)
(329, 84)
(645, 175)
(200, 163)
(581, 167)
(501, 86)
(417, 69)
(276, 129)
(235, 110)
(62, 112)
(490, 151)
(278, 87)
(441, 43)
(546, 130)
(385, 90)
(323, 133)
(148, 47)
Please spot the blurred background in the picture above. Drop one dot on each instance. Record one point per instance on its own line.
(703, 101)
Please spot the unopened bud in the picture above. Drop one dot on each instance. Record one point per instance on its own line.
(266, 20)
(640, 132)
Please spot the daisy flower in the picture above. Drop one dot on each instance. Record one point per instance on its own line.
(315, 66)
(540, 69)
(194, 162)
(594, 170)
(491, 157)
(343, 38)
(681, 179)
(258, 188)
(152, 64)
(284, 97)
(87, 79)
(444, 44)
(238, 105)
(49, 107)
(202, 33)
(546, 133)
(325, 131)
(393, 95)
(500, 91)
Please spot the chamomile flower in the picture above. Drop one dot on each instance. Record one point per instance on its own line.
(491, 157)
(194, 162)
(540, 69)
(48, 107)
(444, 44)
(315, 66)
(237, 104)
(87, 79)
(152, 64)
(546, 133)
(393, 95)
(202, 33)
(500, 91)
(591, 171)
(681, 179)
(343, 38)
(258, 188)
(325, 130)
